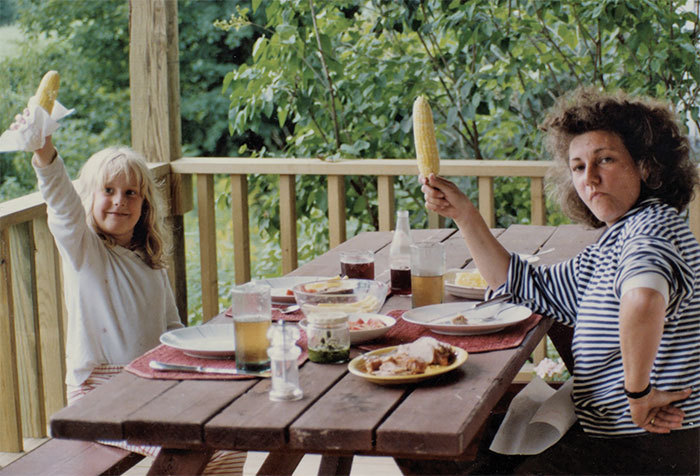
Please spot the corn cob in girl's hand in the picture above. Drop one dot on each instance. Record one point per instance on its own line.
(424, 138)
(48, 90)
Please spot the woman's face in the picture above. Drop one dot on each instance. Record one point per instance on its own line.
(604, 174)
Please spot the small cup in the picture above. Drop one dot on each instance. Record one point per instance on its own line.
(427, 271)
(251, 320)
(357, 264)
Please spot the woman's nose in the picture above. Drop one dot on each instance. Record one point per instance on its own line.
(591, 176)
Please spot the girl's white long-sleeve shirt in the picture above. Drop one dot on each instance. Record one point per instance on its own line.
(117, 305)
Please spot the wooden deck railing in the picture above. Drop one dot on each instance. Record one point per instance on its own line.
(32, 315)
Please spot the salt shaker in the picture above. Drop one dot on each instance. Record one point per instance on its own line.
(284, 367)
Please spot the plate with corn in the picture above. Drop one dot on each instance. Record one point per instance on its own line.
(465, 283)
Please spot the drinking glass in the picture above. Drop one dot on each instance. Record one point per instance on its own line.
(251, 320)
(357, 264)
(427, 270)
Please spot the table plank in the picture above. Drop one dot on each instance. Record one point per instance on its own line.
(100, 414)
(441, 417)
(255, 422)
(343, 419)
(176, 417)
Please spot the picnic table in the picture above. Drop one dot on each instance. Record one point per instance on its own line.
(341, 414)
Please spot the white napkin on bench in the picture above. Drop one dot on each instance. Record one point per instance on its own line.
(536, 419)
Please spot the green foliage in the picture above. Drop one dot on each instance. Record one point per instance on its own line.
(340, 79)
(8, 12)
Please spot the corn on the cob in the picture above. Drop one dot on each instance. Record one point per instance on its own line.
(424, 138)
(48, 90)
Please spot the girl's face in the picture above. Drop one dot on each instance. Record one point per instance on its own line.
(605, 176)
(117, 208)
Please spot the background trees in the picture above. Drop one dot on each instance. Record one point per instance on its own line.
(309, 78)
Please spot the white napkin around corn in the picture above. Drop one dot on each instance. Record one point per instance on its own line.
(38, 124)
(536, 419)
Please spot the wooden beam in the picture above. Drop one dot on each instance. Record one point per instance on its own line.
(288, 223)
(538, 209)
(337, 232)
(207, 246)
(154, 75)
(486, 201)
(10, 413)
(241, 233)
(385, 197)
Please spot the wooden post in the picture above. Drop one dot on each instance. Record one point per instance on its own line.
(538, 209)
(288, 223)
(155, 112)
(336, 210)
(694, 214)
(486, 201)
(385, 197)
(241, 235)
(207, 246)
(10, 414)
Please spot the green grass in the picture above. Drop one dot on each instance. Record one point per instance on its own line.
(10, 38)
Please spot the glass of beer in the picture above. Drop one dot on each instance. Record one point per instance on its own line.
(357, 264)
(251, 320)
(427, 270)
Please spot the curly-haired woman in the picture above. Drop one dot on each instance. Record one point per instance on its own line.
(622, 163)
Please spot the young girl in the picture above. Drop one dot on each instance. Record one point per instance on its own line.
(112, 240)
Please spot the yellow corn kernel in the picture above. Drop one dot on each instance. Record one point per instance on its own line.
(424, 138)
(48, 90)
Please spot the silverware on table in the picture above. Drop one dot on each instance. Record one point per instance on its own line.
(289, 309)
(163, 366)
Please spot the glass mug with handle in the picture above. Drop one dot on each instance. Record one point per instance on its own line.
(427, 271)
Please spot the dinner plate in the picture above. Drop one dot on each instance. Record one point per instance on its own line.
(488, 320)
(210, 341)
(364, 335)
(280, 286)
(355, 366)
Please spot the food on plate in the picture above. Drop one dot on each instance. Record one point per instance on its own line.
(424, 138)
(361, 324)
(470, 279)
(411, 359)
(366, 304)
(459, 320)
(48, 90)
(335, 285)
(289, 292)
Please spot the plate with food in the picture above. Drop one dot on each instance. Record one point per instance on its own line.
(210, 341)
(422, 359)
(467, 284)
(352, 296)
(281, 291)
(364, 327)
(460, 318)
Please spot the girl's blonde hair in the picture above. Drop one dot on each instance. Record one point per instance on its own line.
(150, 233)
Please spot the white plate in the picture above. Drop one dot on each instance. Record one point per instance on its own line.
(461, 291)
(437, 316)
(358, 337)
(280, 286)
(211, 341)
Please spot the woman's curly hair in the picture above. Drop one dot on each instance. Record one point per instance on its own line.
(648, 129)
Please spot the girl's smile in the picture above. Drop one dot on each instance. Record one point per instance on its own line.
(117, 208)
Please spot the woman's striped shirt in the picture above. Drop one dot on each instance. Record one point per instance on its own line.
(584, 292)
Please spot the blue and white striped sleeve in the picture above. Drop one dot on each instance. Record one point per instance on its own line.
(644, 254)
(553, 288)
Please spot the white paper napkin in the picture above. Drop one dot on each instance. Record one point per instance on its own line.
(38, 124)
(536, 419)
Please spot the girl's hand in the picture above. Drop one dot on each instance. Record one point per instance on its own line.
(655, 413)
(443, 197)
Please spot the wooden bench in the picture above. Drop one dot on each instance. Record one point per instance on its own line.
(59, 457)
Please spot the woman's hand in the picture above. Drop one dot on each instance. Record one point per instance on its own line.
(443, 197)
(655, 413)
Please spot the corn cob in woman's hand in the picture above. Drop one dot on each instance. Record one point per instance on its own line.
(48, 90)
(424, 138)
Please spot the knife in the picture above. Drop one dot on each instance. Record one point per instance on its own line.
(156, 365)
(479, 306)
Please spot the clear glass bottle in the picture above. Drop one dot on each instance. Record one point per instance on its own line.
(328, 336)
(400, 255)
(284, 365)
